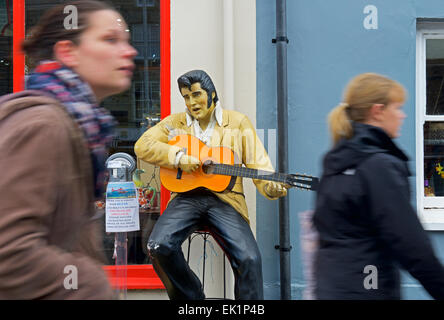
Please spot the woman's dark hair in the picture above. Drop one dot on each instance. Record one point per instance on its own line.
(188, 79)
(50, 29)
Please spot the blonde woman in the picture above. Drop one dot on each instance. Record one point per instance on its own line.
(367, 226)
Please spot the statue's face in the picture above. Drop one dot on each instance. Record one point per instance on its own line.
(196, 101)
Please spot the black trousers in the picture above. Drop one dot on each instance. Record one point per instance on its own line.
(187, 213)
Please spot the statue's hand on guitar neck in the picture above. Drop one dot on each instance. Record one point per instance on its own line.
(188, 163)
(219, 170)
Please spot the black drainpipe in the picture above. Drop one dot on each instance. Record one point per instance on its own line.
(282, 128)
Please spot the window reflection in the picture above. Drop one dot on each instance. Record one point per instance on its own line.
(136, 109)
(435, 77)
(434, 130)
(434, 159)
(5, 47)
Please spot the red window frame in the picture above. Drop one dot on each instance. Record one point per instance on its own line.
(137, 276)
(18, 34)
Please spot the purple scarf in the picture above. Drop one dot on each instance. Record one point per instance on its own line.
(76, 95)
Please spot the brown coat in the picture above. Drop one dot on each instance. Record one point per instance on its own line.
(46, 204)
(236, 132)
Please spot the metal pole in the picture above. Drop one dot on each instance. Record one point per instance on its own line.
(282, 115)
(146, 95)
(121, 263)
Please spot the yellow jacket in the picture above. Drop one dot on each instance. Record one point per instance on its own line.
(236, 132)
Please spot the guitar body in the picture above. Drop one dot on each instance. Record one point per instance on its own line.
(177, 181)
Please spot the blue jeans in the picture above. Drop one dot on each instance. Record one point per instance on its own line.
(193, 211)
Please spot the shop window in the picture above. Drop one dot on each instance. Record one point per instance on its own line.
(136, 109)
(148, 3)
(430, 124)
(5, 47)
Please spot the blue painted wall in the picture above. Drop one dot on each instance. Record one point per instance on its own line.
(328, 46)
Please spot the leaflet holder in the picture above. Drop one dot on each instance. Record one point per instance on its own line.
(121, 166)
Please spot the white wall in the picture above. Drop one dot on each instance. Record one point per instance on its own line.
(245, 78)
(196, 43)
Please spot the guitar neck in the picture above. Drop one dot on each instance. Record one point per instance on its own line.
(230, 170)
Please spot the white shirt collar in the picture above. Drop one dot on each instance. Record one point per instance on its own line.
(217, 112)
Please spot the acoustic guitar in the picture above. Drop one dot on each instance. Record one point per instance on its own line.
(218, 170)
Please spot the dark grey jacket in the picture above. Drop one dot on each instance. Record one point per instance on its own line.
(364, 218)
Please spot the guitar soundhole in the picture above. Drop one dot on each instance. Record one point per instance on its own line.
(207, 167)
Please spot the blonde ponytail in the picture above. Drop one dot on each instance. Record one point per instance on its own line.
(339, 123)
